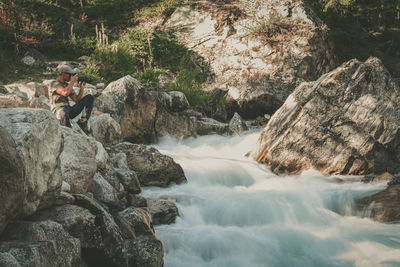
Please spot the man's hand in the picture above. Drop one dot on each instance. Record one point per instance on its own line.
(74, 79)
(82, 85)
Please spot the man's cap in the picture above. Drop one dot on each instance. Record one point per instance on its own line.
(66, 69)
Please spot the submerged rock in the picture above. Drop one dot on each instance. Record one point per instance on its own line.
(346, 122)
(383, 206)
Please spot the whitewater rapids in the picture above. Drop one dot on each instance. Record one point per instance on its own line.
(235, 212)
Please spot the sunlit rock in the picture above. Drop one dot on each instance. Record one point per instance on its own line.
(346, 122)
(261, 50)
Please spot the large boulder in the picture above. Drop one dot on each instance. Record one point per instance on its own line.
(346, 122)
(37, 135)
(131, 106)
(78, 160)
(42, 243)
(12, 178)
(151, 167)
(261, 50)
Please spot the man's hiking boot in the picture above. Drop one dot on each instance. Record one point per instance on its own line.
(83, 124)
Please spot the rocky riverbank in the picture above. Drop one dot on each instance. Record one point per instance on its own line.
(74, 200)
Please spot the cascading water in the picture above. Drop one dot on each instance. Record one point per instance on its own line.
(235, 212)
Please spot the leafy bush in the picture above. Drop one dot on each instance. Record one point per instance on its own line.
(148, 54)
(188, 83)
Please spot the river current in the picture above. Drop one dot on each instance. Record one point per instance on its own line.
(235, 212)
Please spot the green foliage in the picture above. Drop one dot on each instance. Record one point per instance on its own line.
(188, 83)
(109, 64)
(363, 28)
(164, 7)
(148, 54)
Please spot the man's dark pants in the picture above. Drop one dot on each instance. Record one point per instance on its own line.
(85, 104)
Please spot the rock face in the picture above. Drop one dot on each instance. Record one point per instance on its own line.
(346, 122)
(12, 178)
(260, 49)
(37, 135)
(151, 167)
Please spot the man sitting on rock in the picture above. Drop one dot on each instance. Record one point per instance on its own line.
(59, 92)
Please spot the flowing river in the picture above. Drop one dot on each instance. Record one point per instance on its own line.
(235, 212)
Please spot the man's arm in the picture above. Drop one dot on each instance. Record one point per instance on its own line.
(77, 97)
(66, 91)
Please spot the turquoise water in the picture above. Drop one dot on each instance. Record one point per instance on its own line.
(235, 212)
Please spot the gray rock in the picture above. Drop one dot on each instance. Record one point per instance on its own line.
(143, 253)
(128, 104)
(162, 211)
(12, 179)
(103, 191)
(173, 124)
(78, 160)
(65, 187)
(216, 107)
(8, 260)
(175, 101)
(33, 58)
(37, 136)
(125, 175)
(139, 220)
(141, 114)
(114, 245)
(136, 201)
(105, 129)
(151, 167)
(237, 125)
(346, 122)
(41, 244)
(78, 221)
(206, 126)
(16, 101)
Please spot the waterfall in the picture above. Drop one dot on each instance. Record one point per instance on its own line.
(235, 212)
